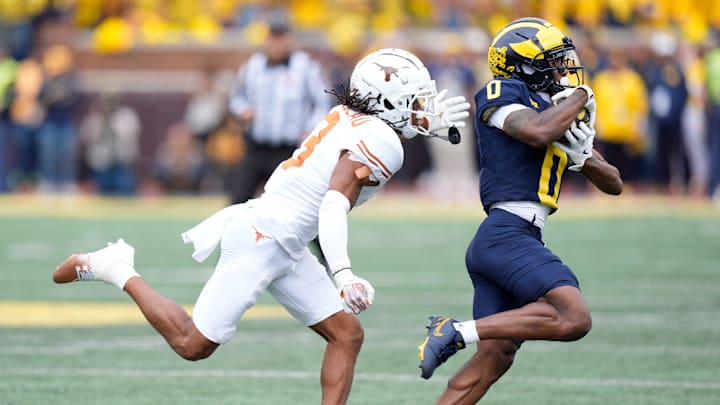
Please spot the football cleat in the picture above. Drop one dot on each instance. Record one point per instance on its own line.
(112, 264)
(442, 341)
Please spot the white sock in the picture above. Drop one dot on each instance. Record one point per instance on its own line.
(468, 331)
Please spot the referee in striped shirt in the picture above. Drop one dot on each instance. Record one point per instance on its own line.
(278, 98)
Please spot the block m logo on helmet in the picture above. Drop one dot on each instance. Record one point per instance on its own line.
(496, 59)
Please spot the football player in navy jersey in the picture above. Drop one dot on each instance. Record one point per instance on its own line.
(534, 120)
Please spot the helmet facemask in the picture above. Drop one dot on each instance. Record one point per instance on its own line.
(418, 105)
(563, 60)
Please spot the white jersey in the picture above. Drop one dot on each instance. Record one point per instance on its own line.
(289, 207)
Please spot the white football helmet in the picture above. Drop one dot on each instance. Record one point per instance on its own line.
(396, 79)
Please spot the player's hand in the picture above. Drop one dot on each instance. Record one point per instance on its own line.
(580, 138)
(448, 113)
(590, 104)
(356, 293)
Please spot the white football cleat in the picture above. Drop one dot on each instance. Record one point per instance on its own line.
(112, 264)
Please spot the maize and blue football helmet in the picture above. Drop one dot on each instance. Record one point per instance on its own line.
(530, 50)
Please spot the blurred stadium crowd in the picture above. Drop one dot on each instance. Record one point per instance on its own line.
(130, 96)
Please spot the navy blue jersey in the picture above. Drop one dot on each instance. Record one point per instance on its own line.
(511, 170)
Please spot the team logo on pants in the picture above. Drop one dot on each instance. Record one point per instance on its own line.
(259, 235)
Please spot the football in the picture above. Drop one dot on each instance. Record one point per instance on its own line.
(583, 116)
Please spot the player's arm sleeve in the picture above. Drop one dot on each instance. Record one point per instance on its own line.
(497, 118)
(333, 230)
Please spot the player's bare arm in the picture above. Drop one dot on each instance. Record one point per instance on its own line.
(540, 129)
(605, 176)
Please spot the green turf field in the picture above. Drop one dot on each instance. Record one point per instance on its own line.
(651, 274)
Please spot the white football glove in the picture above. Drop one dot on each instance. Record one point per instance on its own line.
(356, 293)
(580, 139)
(448, 113)
(589, 104)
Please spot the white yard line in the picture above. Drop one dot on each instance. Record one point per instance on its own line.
(307, 375)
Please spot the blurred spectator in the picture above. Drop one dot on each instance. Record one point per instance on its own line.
(452, 14)
(113, 35)
(668, 95)
(278, 97)
(336, 31)
(225, 149)
(16, 26)
(453, 174)
(713, 87)
(206, 109)
(695, 123)
(110, 132)
(27, 115)
(57, 135)
(8, 68)
(180, 163)
(622, 115)
(384, 15)
(591, 57)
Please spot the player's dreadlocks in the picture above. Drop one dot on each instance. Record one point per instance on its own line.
(351, 98)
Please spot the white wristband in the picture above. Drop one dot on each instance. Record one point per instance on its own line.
(342, 277)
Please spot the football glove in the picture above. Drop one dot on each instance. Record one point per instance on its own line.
(356, 293)
(448, 113)
(580, 138)
(589, 104)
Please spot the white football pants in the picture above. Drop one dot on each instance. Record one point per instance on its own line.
(252, 262)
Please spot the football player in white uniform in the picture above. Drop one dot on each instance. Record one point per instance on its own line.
(348, 157)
